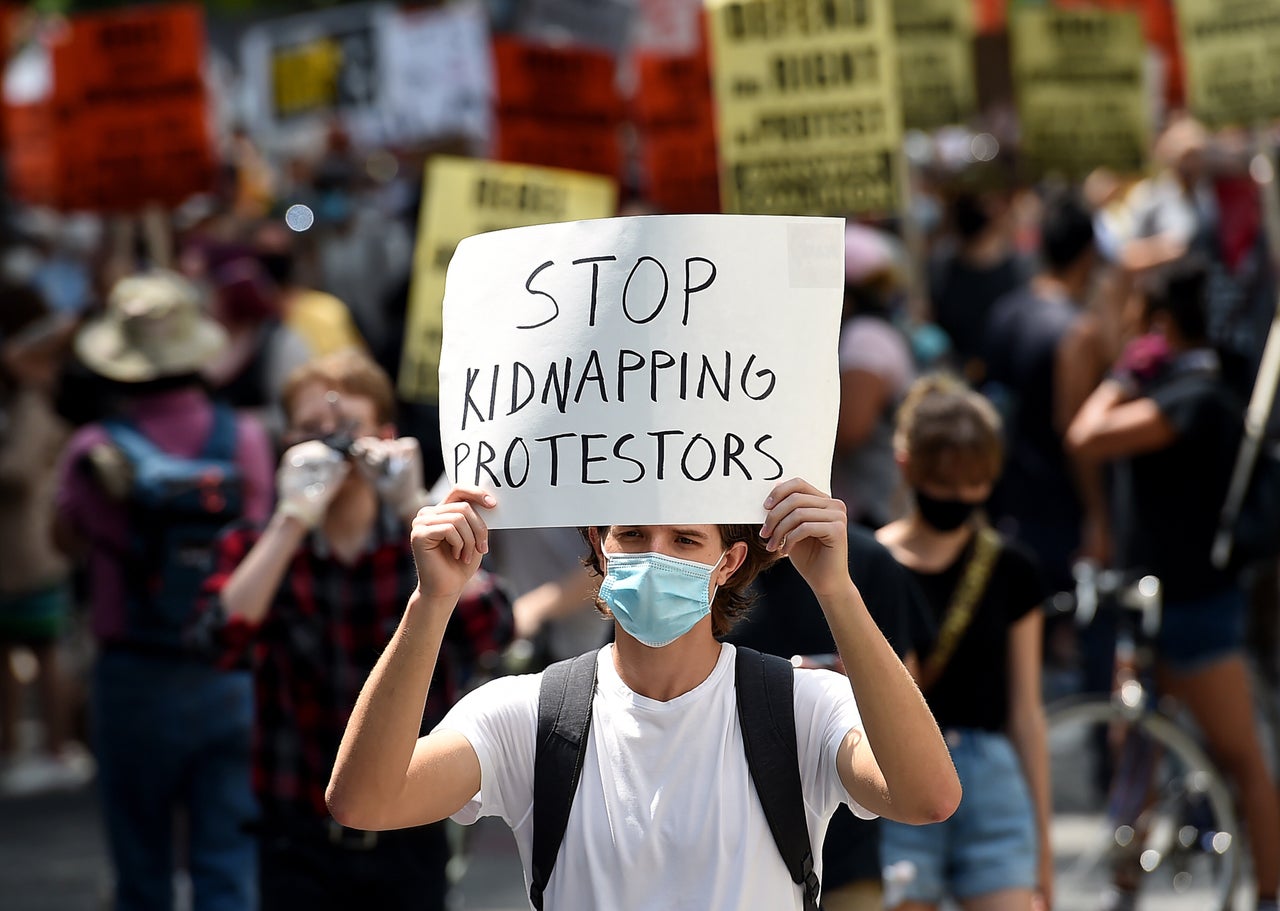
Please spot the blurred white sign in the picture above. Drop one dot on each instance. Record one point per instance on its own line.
(642, 370)
(439, 75)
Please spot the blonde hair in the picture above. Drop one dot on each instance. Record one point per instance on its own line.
(949, 433)
(349, 372)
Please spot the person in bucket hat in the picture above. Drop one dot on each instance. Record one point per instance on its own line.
(170, 729)
(154, 327)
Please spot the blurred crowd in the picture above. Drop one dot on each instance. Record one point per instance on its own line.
(165, 380)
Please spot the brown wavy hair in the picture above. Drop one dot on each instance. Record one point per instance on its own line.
(734, 598)
(950, 433)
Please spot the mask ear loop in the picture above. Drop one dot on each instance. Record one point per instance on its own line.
(712, 597)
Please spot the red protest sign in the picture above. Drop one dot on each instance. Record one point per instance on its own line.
(676, 132)
(557, 106)
(126, 123)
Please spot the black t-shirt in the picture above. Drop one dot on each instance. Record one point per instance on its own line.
(973, 690)
(1168, 501)
(963, 295)
(787, 620)
(1024, 334)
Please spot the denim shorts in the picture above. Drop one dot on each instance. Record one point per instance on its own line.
(1195, 634)
(989, 843)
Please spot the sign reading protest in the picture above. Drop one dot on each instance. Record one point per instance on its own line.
(1232, 52)
(464, 197)
(643, 370)
(935, 61)
(807, 103)
(1082, 98)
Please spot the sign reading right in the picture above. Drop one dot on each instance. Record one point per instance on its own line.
(807, 106)
(1232, 51)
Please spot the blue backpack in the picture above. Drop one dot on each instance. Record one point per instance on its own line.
(177, 508)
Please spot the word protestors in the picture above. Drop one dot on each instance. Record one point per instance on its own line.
(662, 368)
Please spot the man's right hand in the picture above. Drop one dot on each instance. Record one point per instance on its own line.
(448, 540)
(309, 478)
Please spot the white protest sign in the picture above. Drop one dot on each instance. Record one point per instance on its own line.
(645, 370)
(439, 75)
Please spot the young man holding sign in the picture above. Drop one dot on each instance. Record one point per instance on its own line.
(648, 752)
(663, 814)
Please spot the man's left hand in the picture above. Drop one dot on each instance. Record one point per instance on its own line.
(812, 529)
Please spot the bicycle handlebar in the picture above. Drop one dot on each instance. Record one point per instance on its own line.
(1119, 587)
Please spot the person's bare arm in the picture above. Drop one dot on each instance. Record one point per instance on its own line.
(1081, 364)
(554, 600)
(385, 776)
(252, 587)
(1028, 732)
(1111, 425)
(907, 773)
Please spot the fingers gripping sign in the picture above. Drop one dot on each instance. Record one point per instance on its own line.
(811, 528)
(448, 541)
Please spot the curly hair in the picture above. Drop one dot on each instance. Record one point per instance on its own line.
(734, 598)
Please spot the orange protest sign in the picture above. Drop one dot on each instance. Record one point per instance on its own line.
(126, 121)
(675, 124)
(557, 106)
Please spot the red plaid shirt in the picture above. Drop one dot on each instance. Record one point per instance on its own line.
(323, 634)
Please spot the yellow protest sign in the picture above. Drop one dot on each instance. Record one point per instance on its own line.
(1081, 81)
(462, 197)
(807, 106)
(935, 61)
(1232, 53)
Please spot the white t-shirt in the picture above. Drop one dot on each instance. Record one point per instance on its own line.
(666, 816)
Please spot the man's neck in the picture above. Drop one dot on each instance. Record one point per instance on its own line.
(664, 673)
(350, 518)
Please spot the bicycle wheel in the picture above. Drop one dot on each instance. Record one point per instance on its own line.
(1136, 805)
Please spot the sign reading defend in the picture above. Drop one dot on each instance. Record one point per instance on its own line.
(1232, 49)
(647, 370)
(807, 106)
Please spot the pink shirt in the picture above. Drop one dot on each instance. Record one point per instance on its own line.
(179, 422)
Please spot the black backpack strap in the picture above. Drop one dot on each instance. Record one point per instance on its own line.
(564, 719)
(766, 712)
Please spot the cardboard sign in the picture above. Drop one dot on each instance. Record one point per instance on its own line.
(558, 107)
(807, 105)
(935, 61)
(464, 197)
(636, 371)
(1082, 97)
(1232, 53)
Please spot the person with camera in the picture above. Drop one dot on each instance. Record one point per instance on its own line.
(312, 599)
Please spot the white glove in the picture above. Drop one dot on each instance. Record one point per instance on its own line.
(394, 468)
(309, 477)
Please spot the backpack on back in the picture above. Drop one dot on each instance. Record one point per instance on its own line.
(766, 712)
(177, 508)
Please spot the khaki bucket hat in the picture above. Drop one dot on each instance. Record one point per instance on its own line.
(154, 327)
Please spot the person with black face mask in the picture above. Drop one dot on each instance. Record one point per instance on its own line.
(981, 674)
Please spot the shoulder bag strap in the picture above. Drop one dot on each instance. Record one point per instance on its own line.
(964, 602)
(766, 713)
(564, 719)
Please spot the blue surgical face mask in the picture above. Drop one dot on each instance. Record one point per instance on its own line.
(656, 598)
